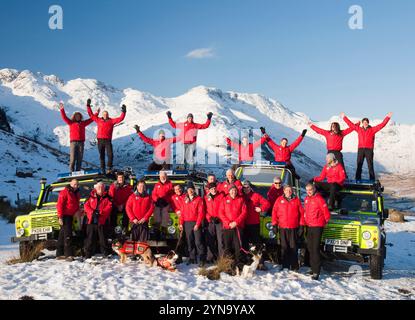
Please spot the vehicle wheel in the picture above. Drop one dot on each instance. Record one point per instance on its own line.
(376, 266)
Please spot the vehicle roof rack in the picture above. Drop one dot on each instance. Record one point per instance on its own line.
(372, 185)
(263, 163)
(177, 174)
(67, 176)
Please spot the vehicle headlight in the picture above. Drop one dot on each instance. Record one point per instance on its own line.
(20, 232)
(171, 230)
(370, 244)
(170, 222)
(271, 234)
(366, 235)
(25, 224)
(268, 226)
(118, 230)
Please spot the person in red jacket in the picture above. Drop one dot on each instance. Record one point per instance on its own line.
(104, 135)
(191, 219)
(139, 209)
(161, 194)
(188, 135)
(230, 181)
(214, 238)
(233, 213)
(366, 136)
(316, 217)
(211, 178)
(335, 175)
(334, 138)
(282, 152)
(119, 192)
(245, 149)
(275, 191)
(98, 209)
(77, 137)
(288, 218)
(176, 203)
(162, 150)
(67, 207)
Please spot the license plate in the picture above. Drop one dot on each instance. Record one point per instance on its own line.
(41, 230)
(342, 243)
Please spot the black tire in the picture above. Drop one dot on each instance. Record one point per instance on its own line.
(376, 266)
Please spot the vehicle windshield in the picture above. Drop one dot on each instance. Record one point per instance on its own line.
(358, 202)
(264, 175)
(84, 188)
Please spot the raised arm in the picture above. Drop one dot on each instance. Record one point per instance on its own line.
(297, 142)
(349, 123)
(146, 139)
(319, 130)
(271, 142)
(64, 116)
(232, 144)
(122, 116)
(345, 132)
(206, 124)
(259, 142)
(171, 122)
(383, 124)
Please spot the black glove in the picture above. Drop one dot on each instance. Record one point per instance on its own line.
(124, 108)
(168, 114)
(300, 232)
(311, 181)
(161, 203)
(88, 103)
(303, 133)
(137, 128)
(209, 115)
(262, 130)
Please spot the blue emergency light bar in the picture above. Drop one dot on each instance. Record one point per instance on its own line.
(78, 174)
(169, 173)
(263, 163)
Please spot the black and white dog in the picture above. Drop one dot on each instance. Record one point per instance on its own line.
(251, 261)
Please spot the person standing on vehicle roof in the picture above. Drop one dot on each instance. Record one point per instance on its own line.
(316, 217)
(77, 137)
(98, 209)
(366, 136)
(275, 191)
(139, 209)
(67, 207)
(255, 205)
(288, 218)
(333, 171)
(191, 219)
(161, 194)
(188, 135)
(283, 151)
(162, 150)
(214, 236)
(232, 213)
(176, 204)
(334, 138)
(119, 191)
(230, 181)
(104, 135)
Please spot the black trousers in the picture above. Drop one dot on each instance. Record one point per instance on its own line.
(140, 232)
(214, 241)
(291, 167)
(339, 158)
(195, 242)
(76, 155)
(313, 246)
(362, 154)
(64, 246)
(331, 188)
(105, 146)
(289, 248)
(95, 235)
(154, 166)
(251, 235)
(232, 243)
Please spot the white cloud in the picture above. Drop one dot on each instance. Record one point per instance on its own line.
(201, 53)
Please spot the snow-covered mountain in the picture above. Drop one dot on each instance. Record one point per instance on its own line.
(30, 101)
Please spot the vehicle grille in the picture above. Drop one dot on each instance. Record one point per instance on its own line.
(342, 233)
(45, 222)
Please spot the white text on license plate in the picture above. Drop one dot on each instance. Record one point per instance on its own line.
(41, 230)
(343, 243)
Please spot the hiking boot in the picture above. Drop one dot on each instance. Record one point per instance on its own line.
(202, 264)
(315, 276)
(60, 258)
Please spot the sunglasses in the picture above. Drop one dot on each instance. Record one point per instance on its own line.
(277, 182)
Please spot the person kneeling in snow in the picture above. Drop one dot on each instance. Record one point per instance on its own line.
(98, 209)
(139, 209)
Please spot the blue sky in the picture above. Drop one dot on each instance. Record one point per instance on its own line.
(300, 52)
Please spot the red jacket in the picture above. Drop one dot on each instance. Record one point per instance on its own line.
(334, 174)
(162, 191)
(120, 194)
(283, 154)
(366, 136)
(188, 133)
(245, 153)
(193, 210)
(233, 210)
(224, 186)
(139, 207)
(253, 200)
(316, 212)
(76, 128)
(212, 205)
(68, 202)
(334, 141)
(105, 127)
(104, 207)
(176, 203)
(288, 214)
(162, 149)
(273, 194)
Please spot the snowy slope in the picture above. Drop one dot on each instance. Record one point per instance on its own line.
(51, 279)
(30, 100)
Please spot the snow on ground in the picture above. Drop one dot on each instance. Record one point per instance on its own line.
(51, 279)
